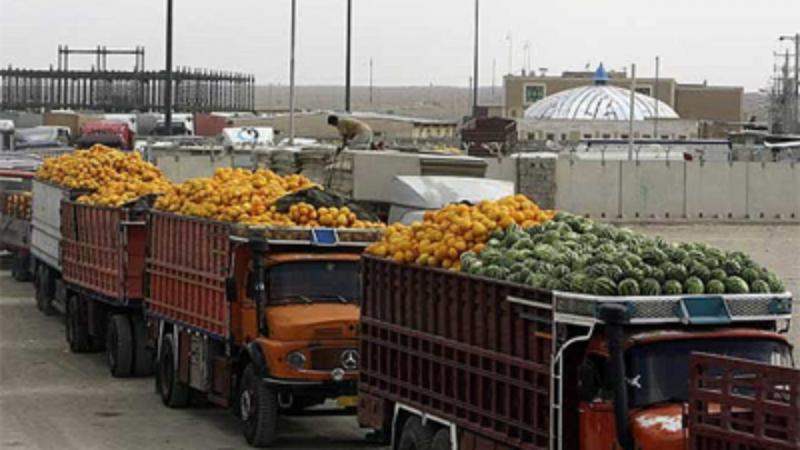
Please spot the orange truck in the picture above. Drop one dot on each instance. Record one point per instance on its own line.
(261, 320)
(456, 361)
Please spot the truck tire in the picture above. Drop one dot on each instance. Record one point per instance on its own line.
(173, 393)
(258, 409)
(142, 355)
(441, 440)
(119, 346)
(76, 327)
(415, 436)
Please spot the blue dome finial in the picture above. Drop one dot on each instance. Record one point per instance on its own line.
(600, 75)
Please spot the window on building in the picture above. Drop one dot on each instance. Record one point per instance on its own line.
(587, 136)
(563, 136)
(513, 113)
(551, 136)
(646, 90)
(531, 136)
(646, 136)
(682, 137)
(664, 136)
(534, 93)
(606, 136)
(623, 136)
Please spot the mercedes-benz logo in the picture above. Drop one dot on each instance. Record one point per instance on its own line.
(349, 359)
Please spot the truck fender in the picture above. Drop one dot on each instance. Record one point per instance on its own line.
(257, 358)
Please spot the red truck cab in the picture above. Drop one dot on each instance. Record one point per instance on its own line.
(106, 132)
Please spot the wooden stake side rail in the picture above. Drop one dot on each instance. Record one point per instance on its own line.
(453, 346)
(738, 404)
(103, 250)
(187, 266)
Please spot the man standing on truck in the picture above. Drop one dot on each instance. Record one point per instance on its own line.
(351, 130)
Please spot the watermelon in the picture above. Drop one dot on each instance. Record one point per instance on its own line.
(736, 285)
(560, 271)
(597, 270)
(694, 286)
(750, 275)
(604, 286)
(699, 270)
(775, 284)
(731, 267)
(536, 280)
(715, 287)
(657, 274)
(494, 271)
(651, 286)
(673, 271)
(579, 282)
(628, 287)
(711, 262)
(672, 287)
(759, 287)
(718, 274)
(554, 284)
(614, 272)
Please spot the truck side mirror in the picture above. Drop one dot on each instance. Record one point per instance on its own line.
(231, 290)
(587, 381)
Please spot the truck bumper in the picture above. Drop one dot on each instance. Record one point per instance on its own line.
(330, 389)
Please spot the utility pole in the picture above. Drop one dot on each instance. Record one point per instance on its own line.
(655, 95)
(347, 57)
(291, 73)
(795, 86)
(168, 86)
(510, 40)
(630, 119)
(494, 74)
(370, 82)
(475, 62)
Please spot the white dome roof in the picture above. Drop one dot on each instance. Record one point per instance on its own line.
(598, 102)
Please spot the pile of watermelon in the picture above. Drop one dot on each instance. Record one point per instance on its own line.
(575, 254)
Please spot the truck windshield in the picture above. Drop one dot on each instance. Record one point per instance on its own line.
(659, 372)
(311, 281)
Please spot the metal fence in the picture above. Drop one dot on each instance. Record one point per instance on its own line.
(123, 91)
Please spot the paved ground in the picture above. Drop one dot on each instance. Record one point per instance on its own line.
(50, 398)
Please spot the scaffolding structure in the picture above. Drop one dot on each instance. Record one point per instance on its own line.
(101, 89)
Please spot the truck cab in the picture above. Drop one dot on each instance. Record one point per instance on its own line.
(263, 320)
(632, 373)
(309, 331)
(657, 367)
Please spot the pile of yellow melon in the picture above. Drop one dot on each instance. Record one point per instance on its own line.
(114, 177)
(443, 235)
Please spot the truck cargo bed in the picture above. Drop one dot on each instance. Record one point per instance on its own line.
(46, 221)
(103, 250)
(473, 351)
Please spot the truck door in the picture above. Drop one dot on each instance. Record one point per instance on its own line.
(596, 406)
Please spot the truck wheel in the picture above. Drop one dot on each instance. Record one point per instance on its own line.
(258, 406)
(173, 393)
(119, 346)
(441, 440)
(76, 328)
(415, 436)
(142, 355)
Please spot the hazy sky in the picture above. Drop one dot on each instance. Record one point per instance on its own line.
(415, 42)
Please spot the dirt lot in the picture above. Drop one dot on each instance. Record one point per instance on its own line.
(50, 398)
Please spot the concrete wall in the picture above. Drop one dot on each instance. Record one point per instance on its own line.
(659, 190)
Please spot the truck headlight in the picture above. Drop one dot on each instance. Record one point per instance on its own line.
(296, 360)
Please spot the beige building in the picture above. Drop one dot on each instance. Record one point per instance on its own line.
(717, 108)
